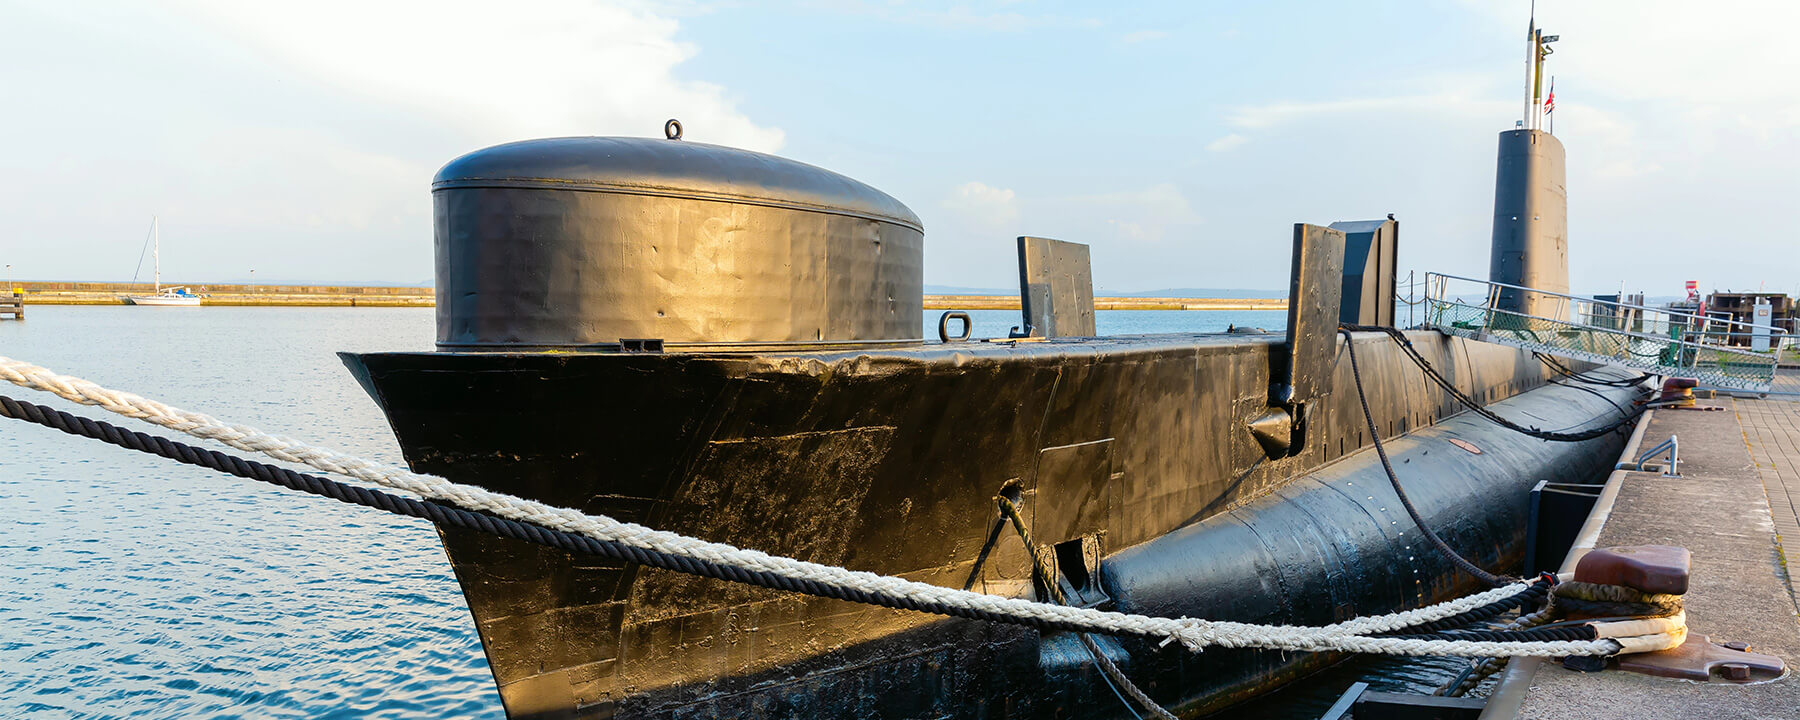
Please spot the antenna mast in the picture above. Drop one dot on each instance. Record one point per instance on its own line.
(1537, 47)
(1527, 121)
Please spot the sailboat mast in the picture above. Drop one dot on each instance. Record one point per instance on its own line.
(156, 254)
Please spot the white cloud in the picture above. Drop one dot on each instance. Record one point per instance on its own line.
(1227, 143)
(256, 130)
(566, 67)
(958, 16)
(1261, 117)
(1147, 215)
(989, 208)
(1730, 61)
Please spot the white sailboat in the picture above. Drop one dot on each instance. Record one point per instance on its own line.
(174, 296)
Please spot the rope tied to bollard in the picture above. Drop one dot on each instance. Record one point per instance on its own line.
(1585, 599)
(478, 508)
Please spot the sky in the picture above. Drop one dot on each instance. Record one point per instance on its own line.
(295, 142)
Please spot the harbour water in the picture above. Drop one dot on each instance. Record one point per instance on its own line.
(132, 587)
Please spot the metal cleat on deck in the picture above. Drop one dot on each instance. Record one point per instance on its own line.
(1663, 570)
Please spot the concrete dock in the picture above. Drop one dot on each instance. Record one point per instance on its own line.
(1734, 507)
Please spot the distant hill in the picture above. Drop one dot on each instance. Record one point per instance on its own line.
(1229, 293)
(959, 290)
(360, 283)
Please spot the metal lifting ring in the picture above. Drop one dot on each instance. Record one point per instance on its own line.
(672, 129)
(944, 326)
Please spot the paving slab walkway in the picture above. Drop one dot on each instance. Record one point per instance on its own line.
(1718, 509)
(1772, 434)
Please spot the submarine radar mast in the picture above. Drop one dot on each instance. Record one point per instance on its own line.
(1530, 245)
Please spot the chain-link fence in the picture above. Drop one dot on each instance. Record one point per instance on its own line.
(1649, 339)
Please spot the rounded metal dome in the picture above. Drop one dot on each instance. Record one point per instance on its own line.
(598, 242)
(671, 168)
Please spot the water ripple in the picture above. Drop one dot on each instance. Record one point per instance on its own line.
(133, 588)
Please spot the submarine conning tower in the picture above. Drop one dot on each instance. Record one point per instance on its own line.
(618, 243)
(1531, 224)
(1531, 205)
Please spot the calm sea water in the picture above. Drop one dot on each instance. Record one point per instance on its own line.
(132, 587)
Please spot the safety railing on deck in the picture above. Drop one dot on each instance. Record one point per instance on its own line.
(1656, 340)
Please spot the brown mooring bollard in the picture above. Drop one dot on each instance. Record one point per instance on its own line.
(1644, 568)
(1679, 391)
(1664, 569)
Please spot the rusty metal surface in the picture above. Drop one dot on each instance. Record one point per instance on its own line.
(1701, 660)
(1645, 568)
(579, 242)
(1056, 288)
(888, 460)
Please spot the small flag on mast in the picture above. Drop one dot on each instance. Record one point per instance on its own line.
(1550, 106)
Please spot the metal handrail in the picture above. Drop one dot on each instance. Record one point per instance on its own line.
(1617, 331)
(1663, 311)
(1602, 331)
(1670, 447)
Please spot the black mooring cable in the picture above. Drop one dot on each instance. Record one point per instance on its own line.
(451, 516)
(1469, 402)
(1443, 548)
(1565, 371)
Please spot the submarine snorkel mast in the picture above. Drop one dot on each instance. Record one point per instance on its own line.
(1531, 228)
(1537, 46)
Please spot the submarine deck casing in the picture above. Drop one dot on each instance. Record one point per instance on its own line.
(1136, 471)
(723, 344)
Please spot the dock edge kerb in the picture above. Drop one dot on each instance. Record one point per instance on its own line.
(1508, 697)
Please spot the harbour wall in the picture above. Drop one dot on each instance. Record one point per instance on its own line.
(100, 293)
(1011, 302)
(103, 293)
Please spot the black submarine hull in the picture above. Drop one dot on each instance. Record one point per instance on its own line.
(1131, 455)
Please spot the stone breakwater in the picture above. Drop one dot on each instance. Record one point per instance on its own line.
(1011, 302)
(98, 293)
(94, 293)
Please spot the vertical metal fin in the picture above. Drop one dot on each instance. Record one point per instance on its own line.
(1313, 299)
(1056, 289)
(1369, 251)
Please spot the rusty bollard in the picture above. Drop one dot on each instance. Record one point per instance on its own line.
(1664, 569)
(1678, 392)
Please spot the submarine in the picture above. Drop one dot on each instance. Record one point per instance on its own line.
(728, 345)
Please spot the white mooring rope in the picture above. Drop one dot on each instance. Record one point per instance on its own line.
(1195, 634)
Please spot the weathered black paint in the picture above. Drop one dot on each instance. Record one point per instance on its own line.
(888, 460)
(583, 242)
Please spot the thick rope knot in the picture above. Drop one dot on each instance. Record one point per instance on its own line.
(1597, 600)
(1662, 623)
